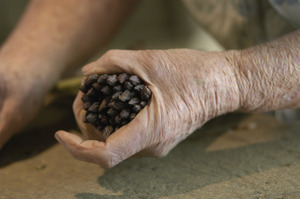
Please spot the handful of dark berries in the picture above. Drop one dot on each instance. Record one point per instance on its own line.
(113, 100)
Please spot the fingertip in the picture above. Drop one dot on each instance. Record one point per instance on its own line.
(85, 70)
(67, 138)
(58, 136)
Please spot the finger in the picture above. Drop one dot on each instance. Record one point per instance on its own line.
(74, 145)
(114, 61)
(122, 144)
(119, 61)
(99, 68)
(88, 130)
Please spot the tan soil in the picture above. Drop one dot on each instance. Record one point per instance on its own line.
(234, 156)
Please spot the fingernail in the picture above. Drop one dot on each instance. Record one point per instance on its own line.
(56, 136)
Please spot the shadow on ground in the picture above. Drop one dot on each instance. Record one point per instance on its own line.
(196, 168)
(38, 136)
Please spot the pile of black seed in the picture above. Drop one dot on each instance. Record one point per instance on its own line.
(113, 100)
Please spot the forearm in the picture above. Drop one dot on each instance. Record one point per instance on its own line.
(55, 34)
(268, 75)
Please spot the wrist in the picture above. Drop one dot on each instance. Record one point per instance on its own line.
(228, 82)
(216, 84)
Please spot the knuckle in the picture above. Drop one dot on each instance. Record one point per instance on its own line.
(76, 149)
(112, 56)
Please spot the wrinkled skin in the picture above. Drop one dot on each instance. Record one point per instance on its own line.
(188, 88)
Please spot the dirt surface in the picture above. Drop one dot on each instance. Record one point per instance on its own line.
(233, 156)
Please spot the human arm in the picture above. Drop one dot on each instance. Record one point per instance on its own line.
(51, 36)
(188, 88)
(268, 75)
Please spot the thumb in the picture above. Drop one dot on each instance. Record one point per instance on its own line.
(124, 143)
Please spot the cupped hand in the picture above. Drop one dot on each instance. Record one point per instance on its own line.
(188, 88)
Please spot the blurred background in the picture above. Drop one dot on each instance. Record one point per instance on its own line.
(157, 24)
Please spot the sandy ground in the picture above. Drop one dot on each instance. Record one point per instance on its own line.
(233, 156)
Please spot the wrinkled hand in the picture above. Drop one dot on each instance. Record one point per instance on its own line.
(188, 88)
